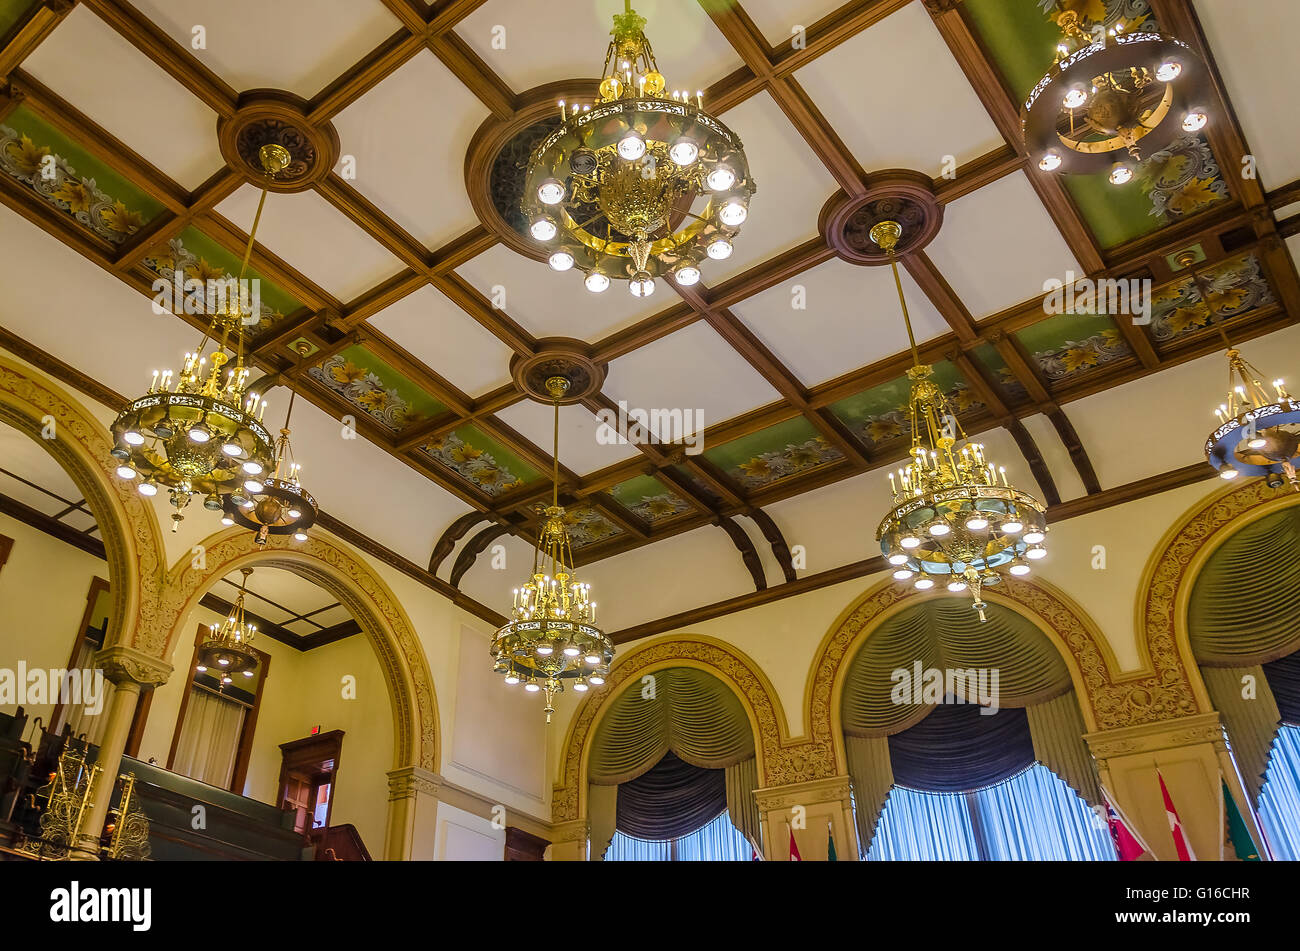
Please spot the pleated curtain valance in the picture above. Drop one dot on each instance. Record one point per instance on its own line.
(1245, 605)
(671, 799)
(682, 710)
(942, 635)
(956, 749)
(1245, 700)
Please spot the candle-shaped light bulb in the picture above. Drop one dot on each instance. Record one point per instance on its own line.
(892, 487)
(699, 99)
(1002, 470)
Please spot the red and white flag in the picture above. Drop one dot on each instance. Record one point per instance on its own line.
(794, 849)
(1128, 844)
(1181, 844)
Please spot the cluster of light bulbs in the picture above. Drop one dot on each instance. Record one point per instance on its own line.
(1121, 173)
(684, 152)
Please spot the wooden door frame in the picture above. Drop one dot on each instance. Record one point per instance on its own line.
(97, 584)
(331, 741)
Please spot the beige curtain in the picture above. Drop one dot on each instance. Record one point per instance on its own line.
(1245, 605)
(872, 777)
(940, 635)
(602, 812)
(742, 780)
(681, 709)
(1057, 729)
(209, 741)
(1251, 723)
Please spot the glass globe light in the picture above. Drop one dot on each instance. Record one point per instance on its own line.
(1036, 552)
(1012, 526)
(686, 275)
(125, 472)
(720, 178)
(631, 146)
(252, 467)
(1034, 537)
(596, 282)
(543, 229)
(923, 583)
(642, 284)
(133, 437)
(1019, 568)
(902, 574)
(733, 213)
(684, 152)
(719, 249)
(939, 529)
(911, 541)
(977, 523)
(550, 192)
(561, 261)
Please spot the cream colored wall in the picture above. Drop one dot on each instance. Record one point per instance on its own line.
(303, 689)
(43, 588)
(465, 837)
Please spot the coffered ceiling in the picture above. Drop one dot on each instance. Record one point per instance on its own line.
(395, 258)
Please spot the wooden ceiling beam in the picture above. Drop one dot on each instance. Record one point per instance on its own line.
(1002, 108)
(36, 24)
(381, 62)
(478, 77)
(374, 222)
(1074, 446)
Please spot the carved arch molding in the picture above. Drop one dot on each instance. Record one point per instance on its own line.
(1161, 691)
(132, 540)
(356, 586)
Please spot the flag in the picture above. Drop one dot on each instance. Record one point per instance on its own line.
(1175, 824)
(1235, 828)
(794, 849)
(830, 844)
(1127, 844)
(756, 857)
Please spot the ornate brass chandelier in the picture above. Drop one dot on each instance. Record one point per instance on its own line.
(613, 190)
(225, 652)
(953, 512)
(552, 634)
(1258, 433)
(276, 504)
(197, 431)
(1111, 97)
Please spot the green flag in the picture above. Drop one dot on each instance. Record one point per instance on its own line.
(1238, 834)
(830, 845)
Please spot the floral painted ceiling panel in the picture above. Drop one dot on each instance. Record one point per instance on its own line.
(1236, 287)
(1068, 345)
(988, 357)
(881, 415)
(375, 388)
(649, 499)
(1170, 184)
(587, 527)
(64, 175)
(480, 460)
(200, 258)
(770, 455)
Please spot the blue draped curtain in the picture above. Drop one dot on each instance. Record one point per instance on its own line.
(1032, 815)
(715, 841)
(1279, 801)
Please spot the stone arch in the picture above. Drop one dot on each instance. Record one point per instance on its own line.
(359, 589)
(133, 541)
(1107, 699)
(1174, 565)
(781, 759)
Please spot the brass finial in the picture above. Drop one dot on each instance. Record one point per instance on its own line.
(886, 234)
(557, 386)
(1185, 258)
(275, 158)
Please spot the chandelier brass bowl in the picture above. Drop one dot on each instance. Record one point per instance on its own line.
(198, 431)
(552, 636)
(193, 436)
(275, 504)
(226, 652)
(1258, 432)
(954, 515)
(1112, 99)
(615, 191)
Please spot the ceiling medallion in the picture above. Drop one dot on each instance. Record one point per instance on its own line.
(558, 356)
(953, 512)
(1258, 433)
(276, 504)
(552, 635)
(900, 195)
(273, 117)
(1111, 98)
(197, 432)
(225, 652)
(615, 190)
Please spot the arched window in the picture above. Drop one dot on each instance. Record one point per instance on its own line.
(1243, 621)
(965, 741)
(672, 772)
